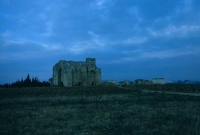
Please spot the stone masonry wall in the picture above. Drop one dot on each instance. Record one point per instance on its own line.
(70, 73)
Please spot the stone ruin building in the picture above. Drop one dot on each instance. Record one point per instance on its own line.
(70, 73)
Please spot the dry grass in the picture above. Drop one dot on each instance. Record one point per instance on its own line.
(96, 111)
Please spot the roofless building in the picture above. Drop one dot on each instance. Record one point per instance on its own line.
(71, 73)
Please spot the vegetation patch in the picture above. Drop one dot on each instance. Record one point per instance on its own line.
(96, 111)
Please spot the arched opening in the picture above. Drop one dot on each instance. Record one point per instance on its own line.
(92, 83)
(61, 83)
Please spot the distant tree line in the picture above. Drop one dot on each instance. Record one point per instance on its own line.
(28, 82)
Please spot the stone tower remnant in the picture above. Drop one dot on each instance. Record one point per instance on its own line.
(70, 73)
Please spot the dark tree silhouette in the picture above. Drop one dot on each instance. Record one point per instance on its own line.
(27, 81)
(34, 82)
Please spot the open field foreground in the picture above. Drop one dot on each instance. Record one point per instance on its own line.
(97, 111)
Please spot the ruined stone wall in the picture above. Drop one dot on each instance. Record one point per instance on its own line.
(70, 73)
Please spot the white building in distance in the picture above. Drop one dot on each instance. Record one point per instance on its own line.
(158, 81)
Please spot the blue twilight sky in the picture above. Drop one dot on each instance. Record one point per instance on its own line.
(130, 39)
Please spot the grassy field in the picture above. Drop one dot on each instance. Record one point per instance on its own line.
(186, 88)
(96, 111)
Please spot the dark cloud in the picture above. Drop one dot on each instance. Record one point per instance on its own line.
(130, 39)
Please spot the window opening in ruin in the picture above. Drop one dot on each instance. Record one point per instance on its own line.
(92, 83)
(61, 84)
(79, 84)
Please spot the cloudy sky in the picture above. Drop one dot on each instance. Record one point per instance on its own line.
(130, 39)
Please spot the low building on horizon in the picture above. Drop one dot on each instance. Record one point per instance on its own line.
(143, 82)
(150, 82)
(158, 81)
(110, 82)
